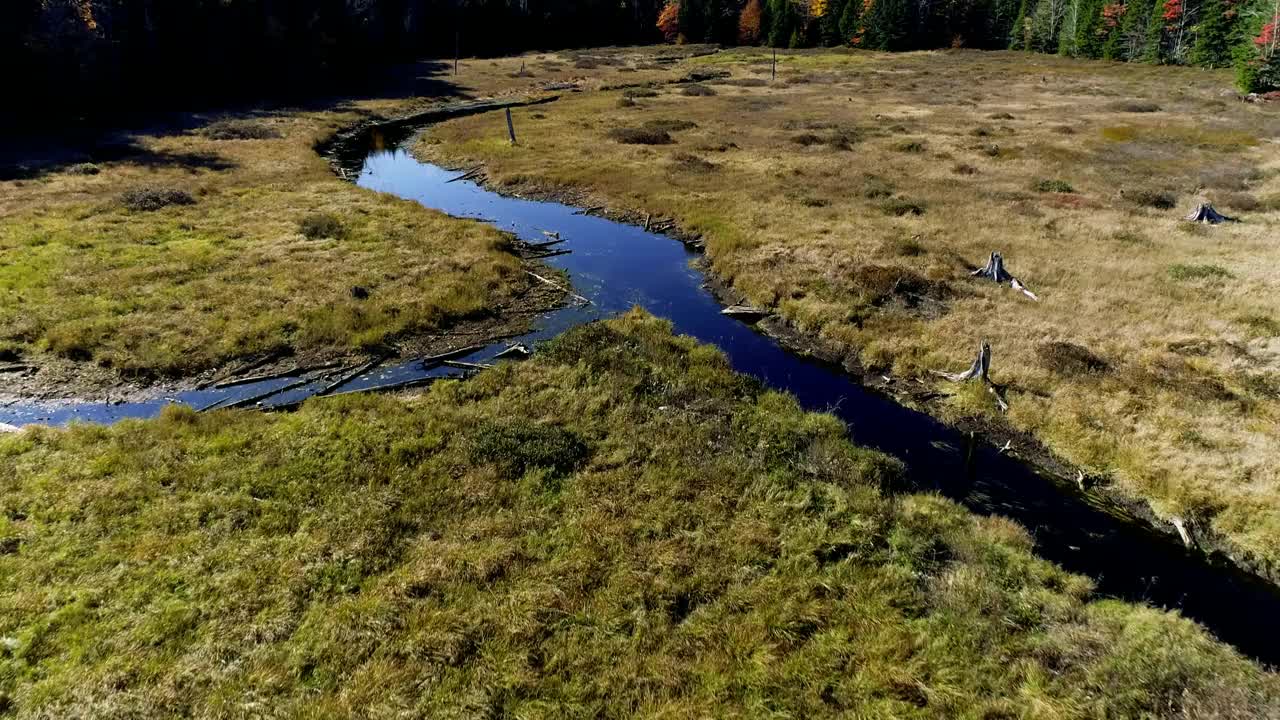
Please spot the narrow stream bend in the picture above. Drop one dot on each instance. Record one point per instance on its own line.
(619, 266)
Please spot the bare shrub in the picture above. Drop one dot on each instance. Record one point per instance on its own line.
(147, 199)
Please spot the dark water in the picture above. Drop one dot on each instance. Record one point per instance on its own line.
(619, 266)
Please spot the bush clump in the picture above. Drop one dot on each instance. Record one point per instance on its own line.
(669, 126)
(519, 447)
(910, 146)
(1158, 199)
(1180, 271)
(1053, 186)
(634, 93)
(147, 199)
(317, 226)
(1067, 358)
(693, 163)
(901, 207)
(640, 136)
(964, 169)
(1134, 106)
(698, 91)
(83, 169)
(240, 130)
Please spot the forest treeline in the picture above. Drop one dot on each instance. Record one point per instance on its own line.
(1205, 33)
(83, 56)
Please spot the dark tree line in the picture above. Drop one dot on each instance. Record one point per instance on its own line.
(75, 57)
(86, 56)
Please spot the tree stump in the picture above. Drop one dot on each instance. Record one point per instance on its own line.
(980, 370)
(1204, 213)
(994, 269)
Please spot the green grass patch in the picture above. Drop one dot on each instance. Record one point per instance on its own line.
(706, 549)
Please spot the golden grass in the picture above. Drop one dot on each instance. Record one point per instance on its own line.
(945, 153)
(590, 534)
(182, 288)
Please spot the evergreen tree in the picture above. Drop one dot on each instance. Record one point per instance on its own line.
(1019, 36)
(888, 25)
(1153, 50)
(849, 20)
(1088, 42)
(781, 22)
(1133, 30)
(1214, 34)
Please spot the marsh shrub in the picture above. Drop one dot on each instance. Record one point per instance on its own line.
(1134, 106)
(240, 130)
(640, 136)
(1237, 200)
(901, 207)
(698, 91)
(321, 225)
(964, 169)
(1067, 358)
(146, 199)
(1180, 271)
(1158, 199)
(669, 126)
(1053, 186)
(634, 93)
(83, 169)
(910, 146)
(692, 163)
(626, 102)
(522, 446)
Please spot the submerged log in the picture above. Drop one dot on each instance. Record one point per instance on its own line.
(994, 270)
(1204, 213)
(467, 175)
(557, 286)
(980, 370)
(460, 352)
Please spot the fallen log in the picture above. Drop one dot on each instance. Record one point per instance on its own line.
(274, 375)
(16, 367)
(385, 387)
(519, 351)
(249, 367)
(543, 256)
(558, 287)
(589, 210)
(433, 360)
(1204, 213)
(980, 370)
(466, 365)
(994, 269)
(467, 175)
(744, 312)
(541, 245)
(255, 399)
(348, 377)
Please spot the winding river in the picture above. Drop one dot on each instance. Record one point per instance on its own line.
(619, 266)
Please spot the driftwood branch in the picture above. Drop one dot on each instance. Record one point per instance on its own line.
(995, 270)
(980, 370)
(348, 377)
(549, 254)
(275, 375)
(518, 351)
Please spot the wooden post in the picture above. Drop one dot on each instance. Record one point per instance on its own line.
(774, 75)
(457, 46)
(511, 129)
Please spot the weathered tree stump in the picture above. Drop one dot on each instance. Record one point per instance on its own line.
(994, 270)
(1204, 213)
(980, 370)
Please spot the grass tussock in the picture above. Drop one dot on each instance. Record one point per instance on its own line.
(321, 225)
(621, 523)
(696, 90)
(1053, 186)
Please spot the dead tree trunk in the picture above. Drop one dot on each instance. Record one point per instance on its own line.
(1204, 213)
(980, 370)
(994, 270)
